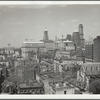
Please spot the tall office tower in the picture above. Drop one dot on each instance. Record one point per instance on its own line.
(45, 37)
(68, 37)
(76, 38)
(96, 49)
(89, 51)
(82, 40)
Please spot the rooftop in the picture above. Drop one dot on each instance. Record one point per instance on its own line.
(68, 41)
(30, 84)
(60, 85)
(32, 42)
(52, 77)
(47, 41)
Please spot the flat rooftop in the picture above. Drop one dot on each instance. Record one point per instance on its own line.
(30, 85)
(33, 42)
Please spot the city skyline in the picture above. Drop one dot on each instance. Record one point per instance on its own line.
(29, 21)
(49, 48)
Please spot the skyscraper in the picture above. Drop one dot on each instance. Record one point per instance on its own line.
(76, 38)
(89, 51)
(96, 49)
(82, 40)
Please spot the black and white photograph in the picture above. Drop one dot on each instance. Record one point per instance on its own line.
(49, 48)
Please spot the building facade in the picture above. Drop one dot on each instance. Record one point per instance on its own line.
(85, 73)
(65, 45)
(61, 88)
(68, 37)
(96, 49)
(89, 52)
(30, 88)
(34, 46)
(82, 40)
(76, 38)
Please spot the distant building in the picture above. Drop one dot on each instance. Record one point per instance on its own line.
(69, 45)
(96, 49)
(89, 41)
(65, 65)
(62, 38)
(80, 54)
(3, 55)
(49, 44)
(9, 50)
(76, 38)
(68, 37)
(32, 46)
(6, 58)
(82, 40)
(45, 37)
(65, 45)
(63, 55)
(17, 52)
(89, 52)
(64, 49)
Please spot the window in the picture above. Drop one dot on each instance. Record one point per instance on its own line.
(65, 92)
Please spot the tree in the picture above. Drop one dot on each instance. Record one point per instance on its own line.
(95, 87)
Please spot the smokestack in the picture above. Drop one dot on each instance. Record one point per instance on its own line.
(45, 38)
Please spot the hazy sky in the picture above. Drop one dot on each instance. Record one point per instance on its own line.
(18, 23)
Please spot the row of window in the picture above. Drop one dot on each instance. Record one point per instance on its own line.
(31, 44)
(31, 91)
(92, 68)
(65, 92)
